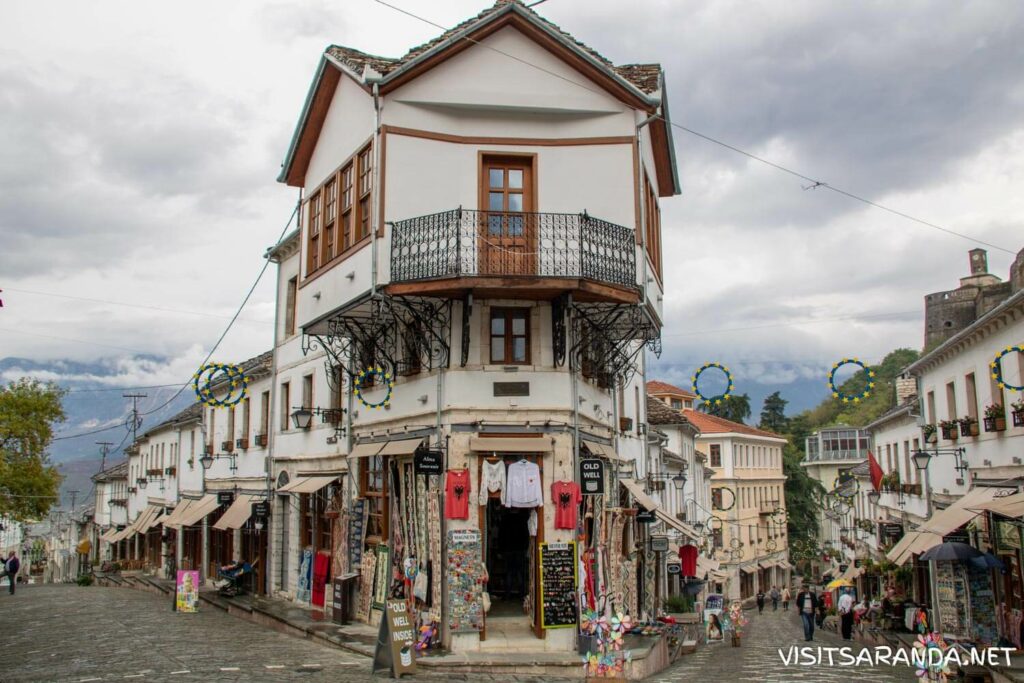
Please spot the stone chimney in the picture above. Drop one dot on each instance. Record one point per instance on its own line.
(906, 389)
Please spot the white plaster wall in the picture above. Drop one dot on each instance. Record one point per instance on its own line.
(348, 125)
(479, 91)
(997, 447)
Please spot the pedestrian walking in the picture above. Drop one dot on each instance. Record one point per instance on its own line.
(775, 595)
(760, 601)
(11, 566)
(785, 598)
(807, 604)
(845, 609)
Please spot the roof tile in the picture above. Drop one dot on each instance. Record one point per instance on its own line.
(657, 387)
(712, 424)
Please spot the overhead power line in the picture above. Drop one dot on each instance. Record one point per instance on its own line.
(815, 183)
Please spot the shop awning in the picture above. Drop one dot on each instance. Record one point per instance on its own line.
(707, 566)
(237, 514)
(179, 510)
(1008, 506)
(401, 446)
(602, 450)
(154, 520)
(765, 565)
(365, 450)
(959, 513)
(748, 570)
(198, 510)
(853, 572)
(141, 522)
(671, 521)
(718, 576)
(109, 534)
(642, 499)
(307, 484)
(785, 564)
(513, 444)
(121, 535)
(898, 551)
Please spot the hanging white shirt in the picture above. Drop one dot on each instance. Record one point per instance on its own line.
(523, 485)
(492, 478)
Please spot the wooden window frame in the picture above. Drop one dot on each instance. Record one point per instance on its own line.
(290, 307)
(652, 226)
(380, 494)
(286, 390)
(508, 337)
(340, 212)
(246, 417)
(265, 413)
(307, 391)
(715, 454)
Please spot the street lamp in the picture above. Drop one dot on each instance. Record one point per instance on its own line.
(921, 459)
(302, 418)
(207, 460)
(873, 497)
(141, 481)
(679, 481)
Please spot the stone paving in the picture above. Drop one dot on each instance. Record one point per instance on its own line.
(68, 633)
(758, 659)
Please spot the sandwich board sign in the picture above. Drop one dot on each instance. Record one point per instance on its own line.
(395, 640)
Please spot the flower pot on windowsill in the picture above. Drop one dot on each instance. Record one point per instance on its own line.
(995, 424)
(950, 433)
(969, 427)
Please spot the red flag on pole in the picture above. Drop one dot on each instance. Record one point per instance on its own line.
(876, 472)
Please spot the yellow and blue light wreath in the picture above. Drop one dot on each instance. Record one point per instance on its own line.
(371, 373)
(714, 400)
(207, 376)
(851, 398)
(997, 368)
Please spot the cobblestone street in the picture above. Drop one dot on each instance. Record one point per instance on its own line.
(67, 633)
(757, 659)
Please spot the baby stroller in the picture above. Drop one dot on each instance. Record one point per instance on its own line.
(232, 578)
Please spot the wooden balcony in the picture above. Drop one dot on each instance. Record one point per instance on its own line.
(521, 255)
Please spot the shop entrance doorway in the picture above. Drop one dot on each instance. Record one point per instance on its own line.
(510, 555)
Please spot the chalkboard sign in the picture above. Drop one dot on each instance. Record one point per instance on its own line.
(395, 641)
(225, 497)
(558, 585)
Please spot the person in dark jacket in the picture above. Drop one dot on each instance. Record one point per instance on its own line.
(807, 605)
(12, 566)
(760, 602)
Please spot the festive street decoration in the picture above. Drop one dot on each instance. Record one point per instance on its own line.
(845, 486)
(848, 398)
(375, 373)
(214, 374)
(609, 661)
(931, 667)
(997, 368)
(714, 400)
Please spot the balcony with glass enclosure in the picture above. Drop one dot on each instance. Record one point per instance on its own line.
(838, 445)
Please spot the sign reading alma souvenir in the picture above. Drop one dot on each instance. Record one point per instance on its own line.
(395, 640)
(225, 497)
(645, 517)
(427, 461)
(591, 477)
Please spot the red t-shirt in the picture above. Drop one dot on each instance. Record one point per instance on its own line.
(688, 560)
(566, 496)
(456, 494)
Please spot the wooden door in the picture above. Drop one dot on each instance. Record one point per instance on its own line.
(507, 230)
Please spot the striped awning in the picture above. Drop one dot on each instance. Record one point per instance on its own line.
(198, 510)
(172, 518)
(109, 534)
(307, 484)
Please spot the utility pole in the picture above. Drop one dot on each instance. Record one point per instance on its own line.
(74, 496)
(104, 450)
(136, 421)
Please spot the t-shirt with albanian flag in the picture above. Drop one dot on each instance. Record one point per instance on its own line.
(456, 494)
(566, 496)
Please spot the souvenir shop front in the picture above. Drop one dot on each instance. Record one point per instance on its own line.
(316, 499)
(495, 540)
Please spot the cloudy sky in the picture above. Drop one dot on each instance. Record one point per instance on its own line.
(140, 145)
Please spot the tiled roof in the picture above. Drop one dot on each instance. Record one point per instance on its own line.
(118, 471)
(657, 387)
(659, 413)
(712, 424)
(644, 76)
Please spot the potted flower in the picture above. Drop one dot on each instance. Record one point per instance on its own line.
(969, 425)
(891, 481)
(995, 418)
(929, 431)
(1018, 413)
(949, 429)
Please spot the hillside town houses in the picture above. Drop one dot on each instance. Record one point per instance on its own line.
(949, 469)
(455, 405)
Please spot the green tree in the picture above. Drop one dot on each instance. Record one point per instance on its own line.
(29, 484)
(802, 492)
(773, 414)
(735, 408)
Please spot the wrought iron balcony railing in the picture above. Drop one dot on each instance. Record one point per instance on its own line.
(465, 243)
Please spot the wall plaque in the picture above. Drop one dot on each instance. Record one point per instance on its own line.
(511, 388)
